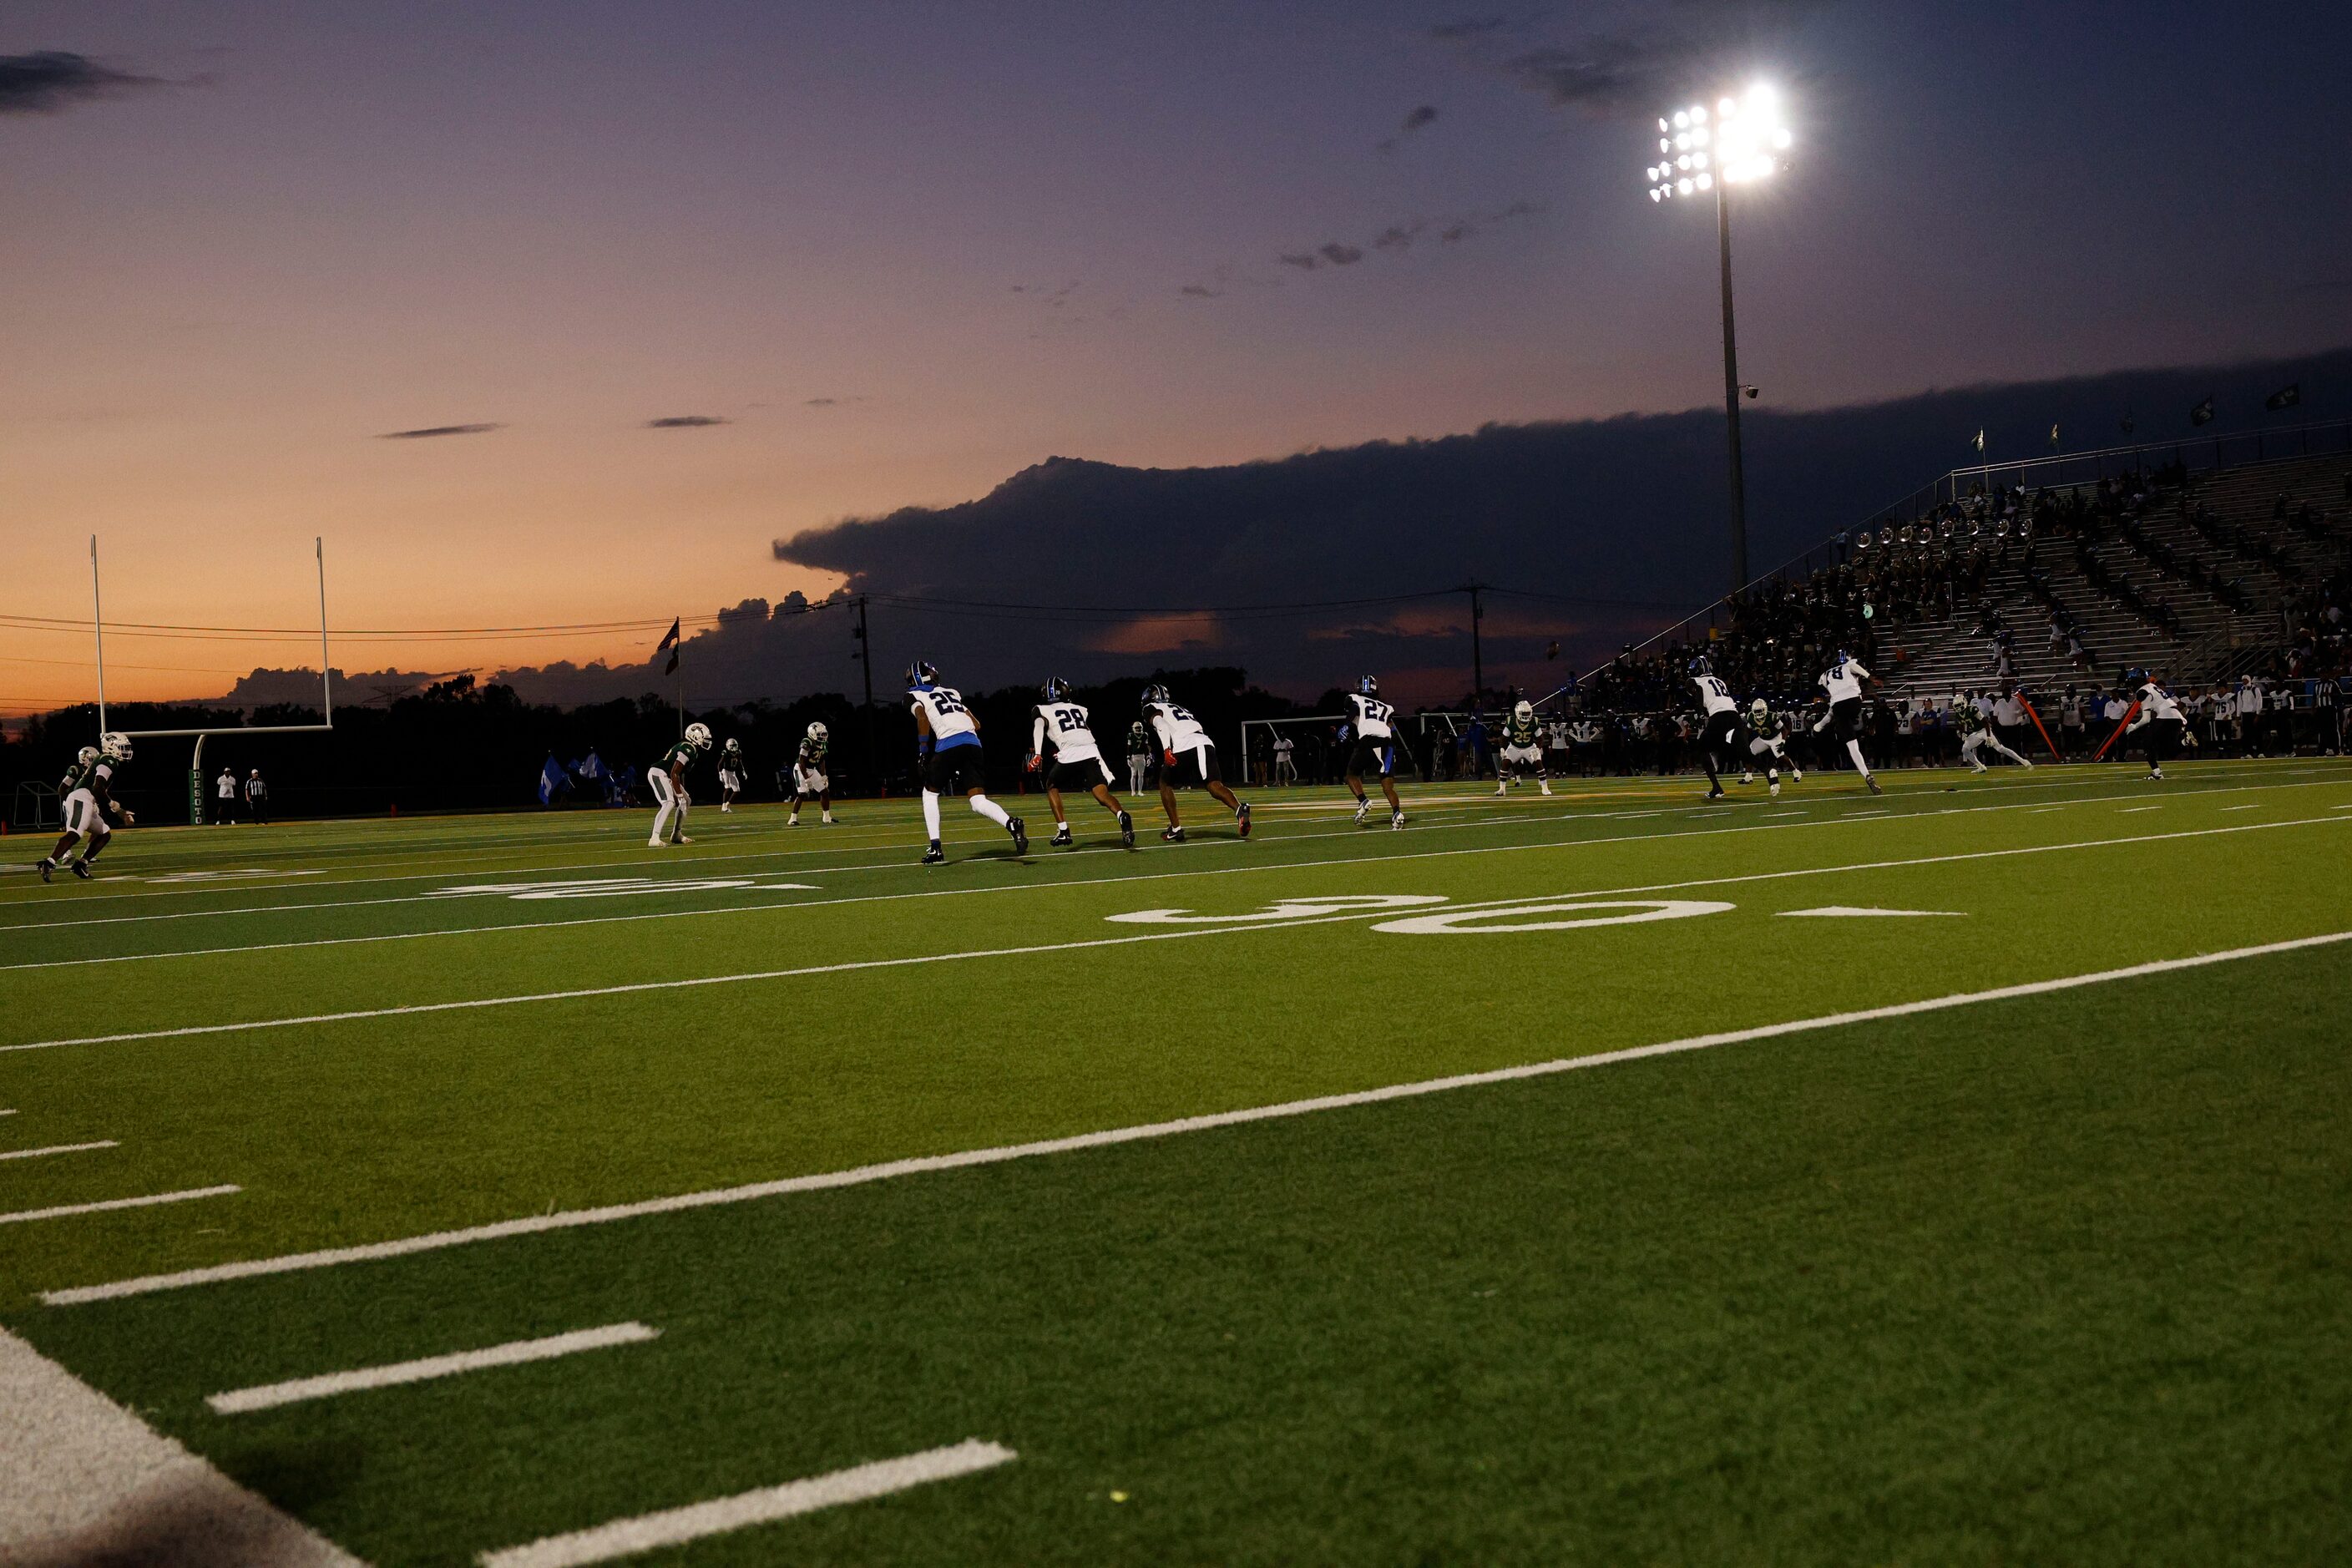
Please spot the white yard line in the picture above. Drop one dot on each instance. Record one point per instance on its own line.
(84, 1480)
(269, 1396)
(1028, 950)
(2128, 810)
(740, 909)
(56, 1149)
(2256, 805)
(63, 1210)
(469, 861)
(534, 1225)
(673, 1527)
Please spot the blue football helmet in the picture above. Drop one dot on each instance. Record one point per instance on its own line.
(1155, 692)
(1370, 686)
(922, 676)
(1700, 666)
(1057, 689)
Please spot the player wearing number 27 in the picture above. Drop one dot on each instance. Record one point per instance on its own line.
(947, 736)
(1375, 747)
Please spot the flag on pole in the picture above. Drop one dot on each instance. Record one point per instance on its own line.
(2053, 437)
(669, 640)
(2202, 413)
(2286, 396)
(1979, 442)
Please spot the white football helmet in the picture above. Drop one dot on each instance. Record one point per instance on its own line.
(817, 731)
(1524, 711)
(1758, 710)
(116, 745)
(697, 735)
(87, 755)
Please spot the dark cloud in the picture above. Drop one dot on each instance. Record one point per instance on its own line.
(1469, 29)
(1625, 509)
(1304, 261)
(829, 402)
(687, 422)
(1398, 236)
(1198, 291)
(51, 80)
(1340, 254)
(1633, 71)
(431, 430)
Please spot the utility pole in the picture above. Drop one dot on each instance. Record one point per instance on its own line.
(1477, 656)
(1732, 394)
(865, 656)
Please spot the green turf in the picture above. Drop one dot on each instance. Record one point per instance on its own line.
(2060, 1278)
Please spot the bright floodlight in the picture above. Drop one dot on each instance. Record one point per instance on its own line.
(1741, 135)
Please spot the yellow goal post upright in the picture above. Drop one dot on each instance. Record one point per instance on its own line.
(197, 759)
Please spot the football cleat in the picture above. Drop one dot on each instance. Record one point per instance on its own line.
(793, 820)
(1127, 830)
(935, 856)
(828, 819)
(1020, 831)
(681, 838)
(1241, 818)
(1061, 838)
(1776, 789)
(1872, 780)
(1363, 810)
(1716, 793)
(656, 843)
(1396, 820)
(1547, 785)
(1797, 775)
(79, 869)
(2152, 773)
(46, 866)
(1748, 778)
(1172, 836)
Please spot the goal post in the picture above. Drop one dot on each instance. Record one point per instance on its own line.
(196, 757)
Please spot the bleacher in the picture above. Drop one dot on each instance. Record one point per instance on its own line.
(2207, 571)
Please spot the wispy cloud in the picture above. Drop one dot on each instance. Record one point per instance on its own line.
(1340, 254)
(1398, 236)
(430, 430)
(1415, 119)
(687, 422)
(51, 80)
(1631, 70)
(1304, 261)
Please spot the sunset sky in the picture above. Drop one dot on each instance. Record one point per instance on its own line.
(904, 251)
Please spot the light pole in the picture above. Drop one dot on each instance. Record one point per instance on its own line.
(1704, 151)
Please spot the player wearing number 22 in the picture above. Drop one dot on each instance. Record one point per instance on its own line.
(1079, 764)
(947, 738)
(1374, 721)
(1187, 755)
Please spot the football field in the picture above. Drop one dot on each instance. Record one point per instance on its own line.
(1962, 1175)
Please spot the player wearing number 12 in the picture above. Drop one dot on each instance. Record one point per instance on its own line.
(1375, 747)
(947, 736)
(1078, 763)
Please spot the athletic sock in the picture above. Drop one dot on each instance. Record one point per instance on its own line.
(990, 810)
(931, 815)
(1854, 748)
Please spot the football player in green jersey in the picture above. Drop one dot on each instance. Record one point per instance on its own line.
(809, 776)
(1522, 749)
(1768, 738)
(732, 771)
(667, 778)
(86, 791)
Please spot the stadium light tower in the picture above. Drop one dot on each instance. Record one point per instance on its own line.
(1705, 150)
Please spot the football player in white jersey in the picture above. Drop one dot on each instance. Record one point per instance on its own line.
(1078, 763)
(1842, 681)
(1767, 738)
(2158, 724)
(667, 780)
(88, 793)
(1187, 755)
(948, 733)
(1372, 721)
(1718, 739)
(731, 774)
(809, 776)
